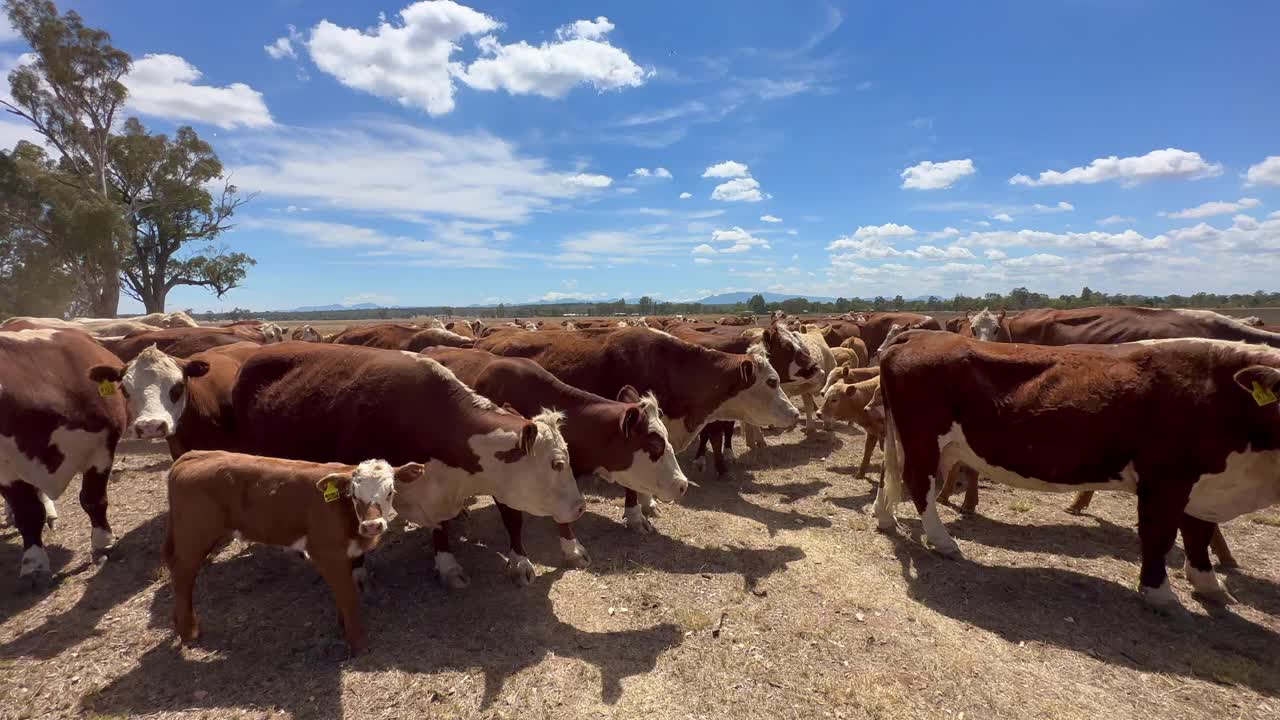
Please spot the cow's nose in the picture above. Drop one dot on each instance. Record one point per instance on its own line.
(373, 528)
(580, 509)
(150, 429)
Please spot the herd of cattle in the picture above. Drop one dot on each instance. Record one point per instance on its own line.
(317, 442)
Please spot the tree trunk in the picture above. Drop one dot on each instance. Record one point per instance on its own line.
(154, 301)
(106, 299)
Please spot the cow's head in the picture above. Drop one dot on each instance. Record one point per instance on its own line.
(759, 399)
(850, 402)
(985, 325)
(178, 319)
(274, 333)
(785, 347)
(306, 333)
(654, 469)
(544, 484)
(154, 386)
(371, 490)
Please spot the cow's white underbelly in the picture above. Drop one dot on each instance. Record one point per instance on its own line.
(955, 448)
(1251, 481)
(81, 450)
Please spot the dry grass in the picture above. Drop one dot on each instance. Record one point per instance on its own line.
(769, 595)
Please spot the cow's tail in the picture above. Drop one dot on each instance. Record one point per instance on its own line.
(892, 484)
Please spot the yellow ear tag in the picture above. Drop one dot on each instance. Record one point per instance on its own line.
(330, 492)
(106, 388)
(1262, 396)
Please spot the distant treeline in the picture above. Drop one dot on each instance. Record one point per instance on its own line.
(1016, 299)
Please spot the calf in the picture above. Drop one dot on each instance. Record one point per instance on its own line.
(859, 349)
(332, 513)
(852, 402)
(323, 402)
(1090, 417)
(56, 422)
(621, 442)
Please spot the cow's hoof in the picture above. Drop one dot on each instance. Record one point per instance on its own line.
(575, 555)
(967, 509)
(51, 522)
(649, 506)
(1229, 563)
(1221, 597)
(35, 563)
(520, 570)
(637, 522)
(450, 572)
(950, 552)
(1161, 599)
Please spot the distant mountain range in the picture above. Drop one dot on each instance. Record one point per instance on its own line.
(331, 308)
(742, 297)
(721, 299)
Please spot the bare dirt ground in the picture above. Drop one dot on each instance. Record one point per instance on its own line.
(768, 595)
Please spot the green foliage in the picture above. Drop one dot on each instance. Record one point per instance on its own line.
(757, 305)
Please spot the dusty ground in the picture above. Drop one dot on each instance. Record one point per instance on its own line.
(765, 596)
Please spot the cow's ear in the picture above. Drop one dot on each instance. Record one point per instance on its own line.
(1261, 381)
(528, 435)
(195, 369)
(1003, 312)
(106, 373)
(334, 485)
(410, 472)
(631, 420)
(628, 394)
(748, 370)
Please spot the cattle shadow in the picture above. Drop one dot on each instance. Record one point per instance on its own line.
(20, 594)
(269, 621)
(856, 503)
(782, 456)
(1258, 593)
(130, 569)
(1103, 539)
(1094, 617)
(727, 496)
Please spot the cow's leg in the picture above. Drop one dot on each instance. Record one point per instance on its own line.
(1158, 519)
(754, 436)
(1218, 543)
(727, 430)
(1198, 568)
(971, 490)
(28, 515)
(717, 451)
(185, 557)
(810, 408)
(648, 505)
(1081, 502)
(93, 498)
(359, 574)
(809, 401)
(934, 530)
(632, 516)
(868, 447)
(447, 568)
(519, 569)
(50, 511)
(575, 555)
(335, 568)
(700, 456)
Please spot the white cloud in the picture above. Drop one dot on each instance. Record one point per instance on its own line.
(410, 62)
(1210, 209)
(283, 47)
(945, 232)
(1170, 163)
(1128, 241)
(685, 195)
(702, 260)
(8, 33)
(164, 86)
(704, 249)
(993, 254)
(1062, 206)
(1275, 215)
(1117, 220)
(403, 171)
(1266, 172)
(770, 219)
(866, 232)
(557, 296)
(740, 240)
(655, 173)
(1038, 260)
(443, 244)
(935, 176)
(585, 180)
(1002, 217)
(727, 169)
(738, 190)
(930, 252)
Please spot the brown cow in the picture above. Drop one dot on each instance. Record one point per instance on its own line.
(1103, 325)
(733, 320)
(1090, 417)
(332, 513)
(852, 402)
(323, 402)
(621, 442)
(55, 424)
(176, 342)
(437, 337)
(877, 325)
(306, 333)
(391, 336)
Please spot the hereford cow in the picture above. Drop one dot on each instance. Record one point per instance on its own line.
(437, 337)
(340, 403)
(55, 423)
(732, 320)
(620, 442)
(1128, 324)
(178, 342)
(105, 327)
(166, 320)
(332, 513)
(852, 402)
(306, 333)
(875, 329)
(1090, 418)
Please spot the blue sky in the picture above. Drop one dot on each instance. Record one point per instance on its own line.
(485, 152)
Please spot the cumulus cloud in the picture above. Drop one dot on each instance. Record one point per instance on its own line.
(704, 249)
(770, 219)
(1168, 164)
(1210, 209)
(936, 176)
(165, 86)
(1129, 240)
(993, 254)
(1117, 220)
(282, 47)
(585, 180)
(738, 190)
(859, 238)
(411, 62)
(1062, 206)
(1037, 260)
(727, 169)
(654, 173)
(1266, 172)
(1246, 236)
(1002, 217)
(685, 195)
(739, 240)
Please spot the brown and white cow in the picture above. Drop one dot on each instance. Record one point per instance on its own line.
(178, 342)
(1091, 417)
(55, 423)
(852, 402)
(437, 337)
(306, 333)
(341, 403)
(1101, 325)
(875, 329)
(332, 513)
(166, 320)
(619, 442)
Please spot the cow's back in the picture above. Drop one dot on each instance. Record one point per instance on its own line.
(1109, 325)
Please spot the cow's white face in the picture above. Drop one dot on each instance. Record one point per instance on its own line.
(155, 391)
(273, 333)
(307, 334)
(985, 325)
(803, 363)
(659, 476)
(373, 485)
(763, 402)
(545, 484)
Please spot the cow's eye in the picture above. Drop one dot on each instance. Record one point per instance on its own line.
(176, 391)
(771, 382)
(557, 465)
